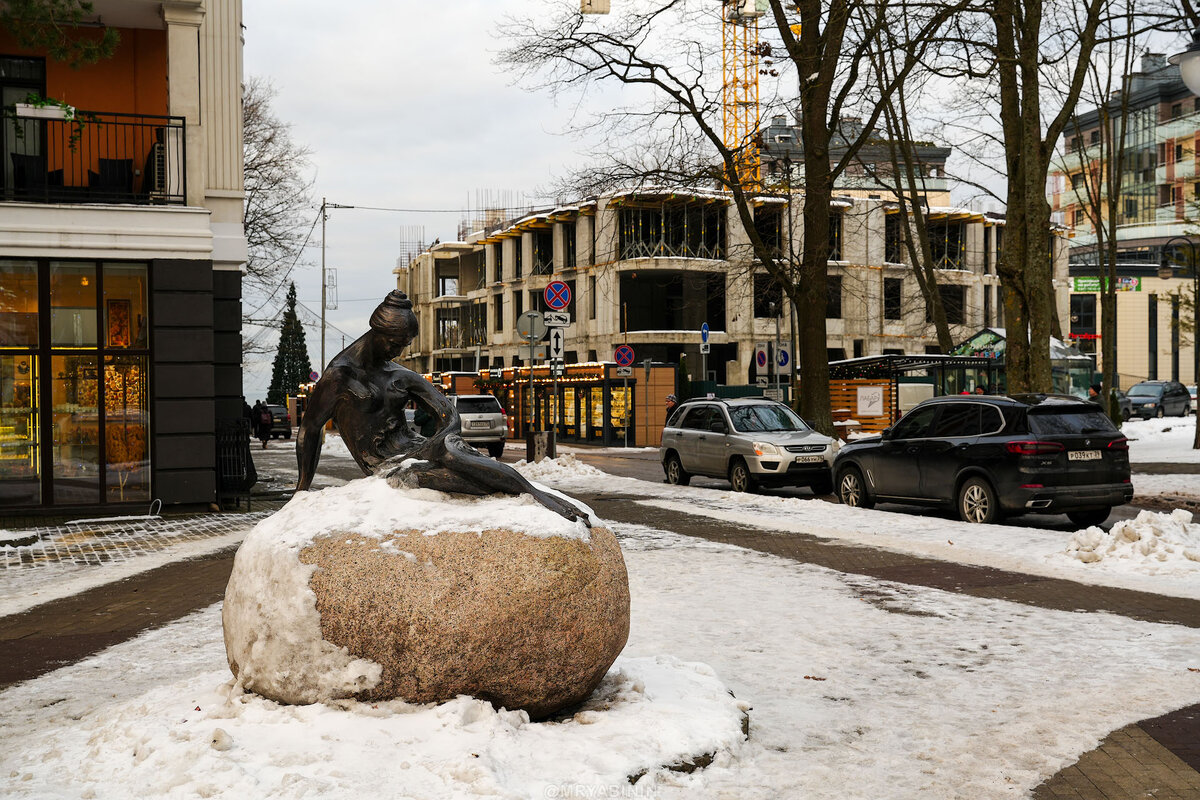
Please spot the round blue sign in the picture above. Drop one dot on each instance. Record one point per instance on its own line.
(761, 358)
(704, 332)
(558, 295)
(623, 355)
(784, 358)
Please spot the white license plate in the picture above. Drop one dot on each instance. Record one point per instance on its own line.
(480, 423)
(809, 459)
(1083, 455)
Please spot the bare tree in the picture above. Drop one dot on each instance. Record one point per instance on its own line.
(656, 46)
(278, 206)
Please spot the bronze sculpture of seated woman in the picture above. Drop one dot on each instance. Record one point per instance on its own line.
(365, 393)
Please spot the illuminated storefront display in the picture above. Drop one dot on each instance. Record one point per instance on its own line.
(74, 383)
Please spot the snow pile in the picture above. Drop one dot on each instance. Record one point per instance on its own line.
(195, 738)
(1151, 536)
(372, 507)
(1162, 440)
(561, 468)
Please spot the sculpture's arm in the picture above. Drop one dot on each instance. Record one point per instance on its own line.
(320, 408)
(426, 394)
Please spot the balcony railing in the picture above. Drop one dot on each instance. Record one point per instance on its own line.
(96, 157)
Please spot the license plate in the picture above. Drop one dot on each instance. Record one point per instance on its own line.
(480, 423)
(809, 459)
(1083, 455)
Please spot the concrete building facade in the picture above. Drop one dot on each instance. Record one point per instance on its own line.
(648, 269)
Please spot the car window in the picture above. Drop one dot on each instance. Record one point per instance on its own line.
(915, 424)
(958, 419)
(697, 418)
(478, 405)
(991, 420)
(765, 417)
(1145, 390)
(1069, 420)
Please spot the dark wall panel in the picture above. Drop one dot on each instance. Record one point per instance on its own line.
(186, 452)
(183, 416)
(189, 346)
(186, 486)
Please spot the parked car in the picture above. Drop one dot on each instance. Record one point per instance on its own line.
(281, 422)
(1192, 393)
(483, 421)
(750, 441)
(988, 456)
(1160, 399)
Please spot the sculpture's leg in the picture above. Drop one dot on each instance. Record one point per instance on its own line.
(426, 475)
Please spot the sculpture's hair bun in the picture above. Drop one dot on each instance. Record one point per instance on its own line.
(393, 313)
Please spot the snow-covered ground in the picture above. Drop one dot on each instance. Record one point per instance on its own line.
(1165, 568)
(859, 689)
(1167, 440)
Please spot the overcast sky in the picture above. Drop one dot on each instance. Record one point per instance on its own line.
(402, 107)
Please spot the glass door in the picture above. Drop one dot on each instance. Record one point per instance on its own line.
(20, 457)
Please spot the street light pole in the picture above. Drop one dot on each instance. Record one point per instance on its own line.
(1167, 271)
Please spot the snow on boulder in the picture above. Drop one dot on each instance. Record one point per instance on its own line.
(1151, 536)
(379, 593)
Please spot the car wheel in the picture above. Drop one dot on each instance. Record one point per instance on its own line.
(287, 435)
(852, 490)
(1158, 412)
(740, 479)
(496, 449)
(1126, 414)
(822, 486)
(1089, 517)
(676, 474)
(977, 502)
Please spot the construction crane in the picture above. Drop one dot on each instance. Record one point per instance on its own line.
(740, 68)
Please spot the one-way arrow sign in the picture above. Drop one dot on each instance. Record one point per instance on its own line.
(557, 341)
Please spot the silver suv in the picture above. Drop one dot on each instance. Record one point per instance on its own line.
(483, 421)
(750, 441)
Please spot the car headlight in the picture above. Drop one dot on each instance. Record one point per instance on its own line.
(765, 449)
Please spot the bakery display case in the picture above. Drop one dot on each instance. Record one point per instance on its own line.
(20, 467)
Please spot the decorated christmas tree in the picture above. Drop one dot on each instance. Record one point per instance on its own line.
(292, 366)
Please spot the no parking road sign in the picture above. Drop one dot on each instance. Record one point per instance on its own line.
(558, 295)
(623, 355)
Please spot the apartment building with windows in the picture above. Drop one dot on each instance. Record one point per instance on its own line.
(1159, 188)
(649, 268)
(121, 250)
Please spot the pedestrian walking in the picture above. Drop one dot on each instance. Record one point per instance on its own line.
(672, 401)
(263, 420)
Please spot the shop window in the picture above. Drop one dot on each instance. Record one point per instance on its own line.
(126, 299)
(72, 305)
(126, 428)
(20, 478)
(893, 298)
(75, 393)
(833, 300)
(18, 304)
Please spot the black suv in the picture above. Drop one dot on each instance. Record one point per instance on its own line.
(990, 456)
(1159, 399)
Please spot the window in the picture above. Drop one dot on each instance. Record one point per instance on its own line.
(498, 311)
(987, 306)
(835, 236)
(697, 418)
(768, 222)
(953, 303)
(957, 420)
(591, 297)
(833, 300)
(568, 239)
(916, 424)
(767, 297)
(893, 247)
(1094, 138)
(947, 244)
(543, 252)
(1178, 153)
(518, 304)
(893, 298)
(987, 250)
(1077, 217)
(1077, 181)
(1131, 208)
(689, 229)
(835, 354)
(1083, 313)
(1075, 143)
(517, 242)
(1176, 110)
(498, 262)
(859, 348)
